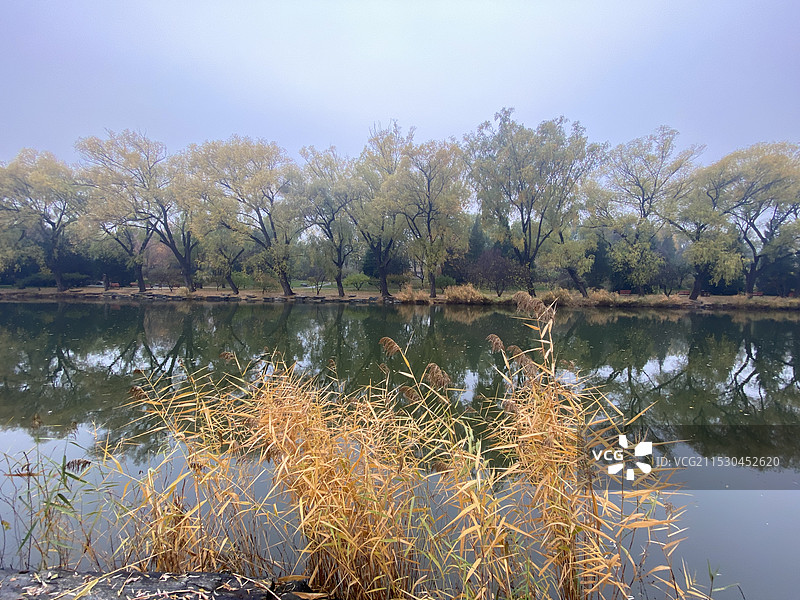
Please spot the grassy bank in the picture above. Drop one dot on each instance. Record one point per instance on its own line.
(394, 491)
(467, 294)
(461, 294)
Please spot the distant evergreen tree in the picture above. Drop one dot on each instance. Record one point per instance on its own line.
(477, 242)
(460, 267)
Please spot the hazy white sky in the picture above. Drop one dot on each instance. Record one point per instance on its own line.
(724, 73)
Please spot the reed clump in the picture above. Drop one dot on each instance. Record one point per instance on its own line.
(465, 294)
(602, 297)
(560, 297)
(395, 491)
(410, 295)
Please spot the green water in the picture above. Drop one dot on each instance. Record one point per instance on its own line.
(725, 384)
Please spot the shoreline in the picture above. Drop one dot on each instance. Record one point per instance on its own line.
(117, 295)
(563, 299)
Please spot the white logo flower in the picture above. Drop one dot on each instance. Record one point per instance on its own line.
(641, 449)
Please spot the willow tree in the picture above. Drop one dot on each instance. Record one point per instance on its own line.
(432, 197)
(173, 216)
(528, 180)
(712, 245)
(374, 213)
(40, 204)
(643, 177)
(125, 174)
(221, 253)
(329, 188)
(762, 197)
(252, 181)
(140, 193)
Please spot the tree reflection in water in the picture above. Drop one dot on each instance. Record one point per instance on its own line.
(727, 382)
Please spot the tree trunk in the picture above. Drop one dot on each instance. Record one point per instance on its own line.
(432, 279)
(382, 282)
(339, 285)
(697, 287)
(234, 287)
(186, 273)
(140, 277)
(59, 281)
(106, 282)
(187, 279)
(578, 282)
(530, 278)
(750, 279)
(185, 263)
(283, 277)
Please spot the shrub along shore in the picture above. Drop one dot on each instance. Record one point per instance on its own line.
(461, 294)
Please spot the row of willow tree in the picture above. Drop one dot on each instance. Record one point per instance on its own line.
(508, 205)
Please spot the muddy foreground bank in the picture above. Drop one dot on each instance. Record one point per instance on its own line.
(134, 584)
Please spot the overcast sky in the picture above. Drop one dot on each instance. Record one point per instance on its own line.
(724, 73)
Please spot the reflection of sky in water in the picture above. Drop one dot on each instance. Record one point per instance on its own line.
(470, 382)
(750, 536)
(76, 442)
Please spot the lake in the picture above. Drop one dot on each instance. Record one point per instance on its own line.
(727, 386)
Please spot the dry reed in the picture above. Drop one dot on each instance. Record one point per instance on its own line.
(465, 294)
(409, 295)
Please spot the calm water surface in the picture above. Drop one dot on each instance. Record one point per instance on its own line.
(726, 384)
